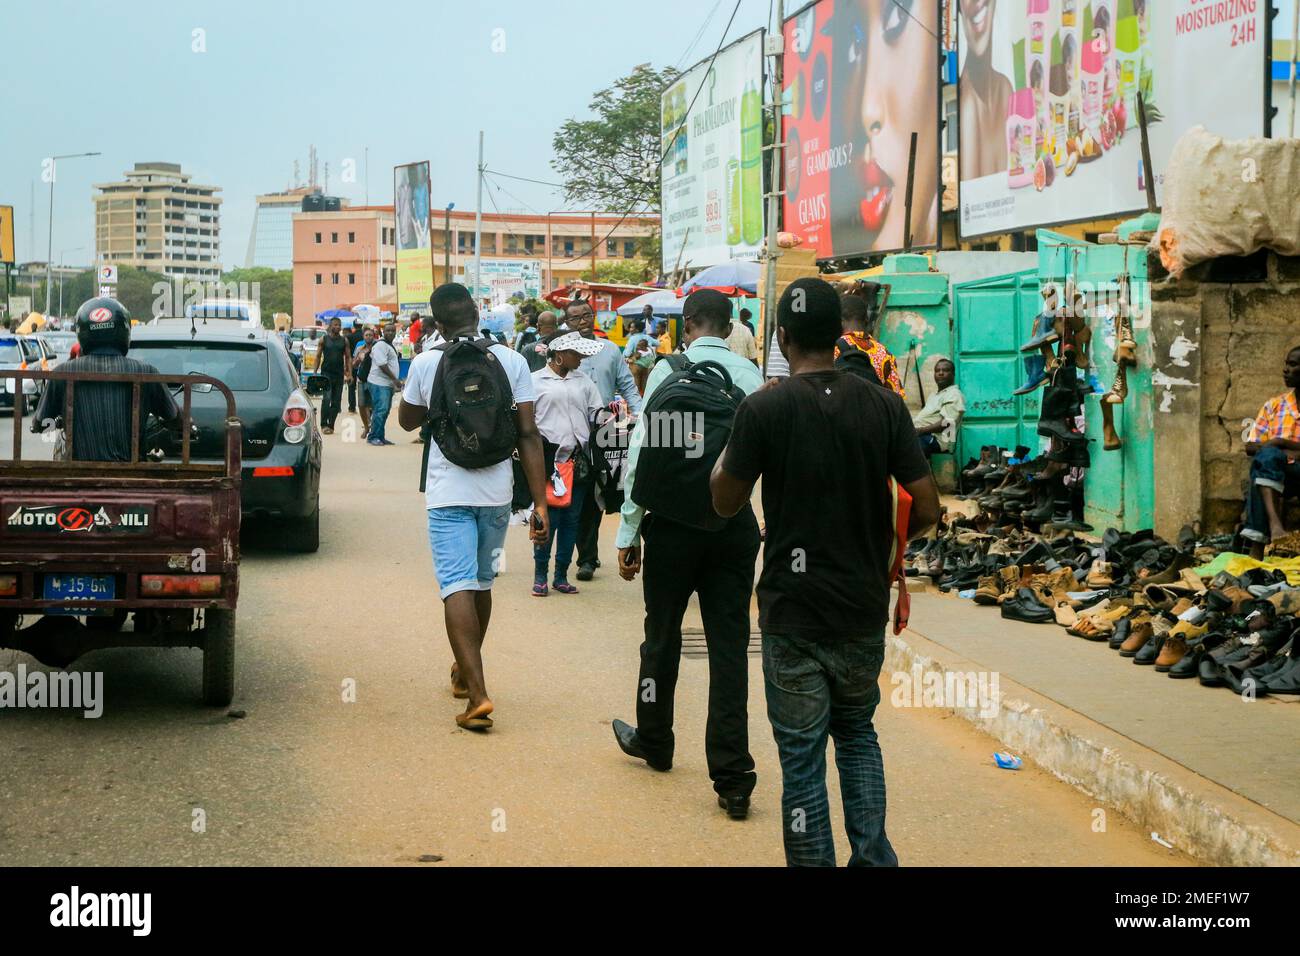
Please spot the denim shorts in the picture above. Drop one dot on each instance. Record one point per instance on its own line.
(467, 543)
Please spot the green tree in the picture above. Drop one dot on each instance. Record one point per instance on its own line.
(272, 288)
(628, 272)
(612, 160)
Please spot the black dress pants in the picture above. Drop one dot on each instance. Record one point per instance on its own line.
(331, 400)
(719, 567)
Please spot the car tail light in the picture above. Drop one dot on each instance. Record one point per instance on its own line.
(8, 585)
(161, 585)
(297, 409)
(279, 471)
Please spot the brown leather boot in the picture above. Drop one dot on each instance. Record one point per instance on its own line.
(1137, 636)
(987, 590)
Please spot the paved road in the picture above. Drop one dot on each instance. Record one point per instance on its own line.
(308, 778)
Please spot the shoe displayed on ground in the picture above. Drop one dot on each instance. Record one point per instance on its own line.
(1026, 607)
(737, 807)
(630, 744)
(586, 572)
(1140, 634)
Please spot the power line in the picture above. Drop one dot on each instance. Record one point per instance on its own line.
(918, 22)
(525, 179)
(698, 34)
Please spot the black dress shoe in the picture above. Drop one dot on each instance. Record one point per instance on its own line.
(1026, 607)
(628, 742)
(586, 572)
(737, 807)
(1149, 651)
(1120, 634)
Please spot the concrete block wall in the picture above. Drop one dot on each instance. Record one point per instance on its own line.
(1220, 335)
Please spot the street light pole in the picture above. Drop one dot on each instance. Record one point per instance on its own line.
(62, 260)
(49, 249)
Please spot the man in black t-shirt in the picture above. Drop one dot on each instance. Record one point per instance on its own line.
(335, 364)
(353, 337)
(826, 445)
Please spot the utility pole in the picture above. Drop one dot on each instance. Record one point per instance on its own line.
(776, 50)
(478, 221)
(593, 247)
(446, 243)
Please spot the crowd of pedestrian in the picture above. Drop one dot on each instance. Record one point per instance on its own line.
(517, 429)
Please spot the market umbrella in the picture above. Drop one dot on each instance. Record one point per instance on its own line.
(732, 278)
(663, 301)
(345, 316)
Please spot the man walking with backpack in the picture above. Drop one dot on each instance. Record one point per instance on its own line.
(381, 380)
(832, 451)
(478, 397)
(689, 549)
(613, 378)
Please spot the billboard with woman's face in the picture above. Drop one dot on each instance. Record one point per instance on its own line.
(860, 76)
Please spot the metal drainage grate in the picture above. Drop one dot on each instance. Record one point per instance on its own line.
(693, 643)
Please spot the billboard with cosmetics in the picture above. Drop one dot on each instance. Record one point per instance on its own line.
(1047, 99)
(712, 172)
(860, 76)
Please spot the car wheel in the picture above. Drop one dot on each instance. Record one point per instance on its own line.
(303, 534)
(218, 657)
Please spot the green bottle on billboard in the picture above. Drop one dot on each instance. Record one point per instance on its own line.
(751, 163)
(733, 202)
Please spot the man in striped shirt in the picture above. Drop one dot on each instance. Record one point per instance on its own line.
(101, 411)
(1273, 443)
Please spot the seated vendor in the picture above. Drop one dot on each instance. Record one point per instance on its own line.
(1273, 444)
(936, 423)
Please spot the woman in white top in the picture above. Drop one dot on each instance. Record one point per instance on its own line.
(566, 400)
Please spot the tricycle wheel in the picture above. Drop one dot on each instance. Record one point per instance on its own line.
(303, 534)
(218, 657)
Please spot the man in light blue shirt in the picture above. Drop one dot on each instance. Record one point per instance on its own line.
(612, 376)
(681, 560)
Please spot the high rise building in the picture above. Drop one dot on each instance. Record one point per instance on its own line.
(271, 242)
(157, 219)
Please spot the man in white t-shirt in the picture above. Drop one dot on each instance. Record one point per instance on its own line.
(469, 509)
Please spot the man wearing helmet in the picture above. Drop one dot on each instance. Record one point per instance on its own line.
(102, 410)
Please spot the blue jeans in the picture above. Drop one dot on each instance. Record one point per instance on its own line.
(814, 690)
(381, 400)
(564, 537)
(1269, 469)
(467, 545)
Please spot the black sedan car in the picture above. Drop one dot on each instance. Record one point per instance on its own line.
(282, 443)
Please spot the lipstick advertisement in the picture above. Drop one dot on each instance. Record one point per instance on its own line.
(860, 76)
(1048, 91)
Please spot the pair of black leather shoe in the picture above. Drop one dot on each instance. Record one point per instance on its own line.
(1026, 607)
(1197, 649)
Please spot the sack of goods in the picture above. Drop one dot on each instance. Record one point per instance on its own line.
(1228, 198)
(472, 410)
(684, 427)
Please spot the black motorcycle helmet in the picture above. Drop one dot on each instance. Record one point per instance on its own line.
(103, 322)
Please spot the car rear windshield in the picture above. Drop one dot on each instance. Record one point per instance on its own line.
(244, 368)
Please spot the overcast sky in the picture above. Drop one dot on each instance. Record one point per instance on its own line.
(410, 80)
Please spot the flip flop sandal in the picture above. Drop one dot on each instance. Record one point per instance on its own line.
(540, 590)
(458, 694)
(473, 723)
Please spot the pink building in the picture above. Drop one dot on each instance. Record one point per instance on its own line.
(342, 259)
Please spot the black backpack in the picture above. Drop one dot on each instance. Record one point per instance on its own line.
(472, 409)
(856, 362)
(687, 420)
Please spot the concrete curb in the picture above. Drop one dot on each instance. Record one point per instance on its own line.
(1199, 817)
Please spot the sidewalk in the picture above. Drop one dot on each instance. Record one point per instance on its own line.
(1217, 776)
